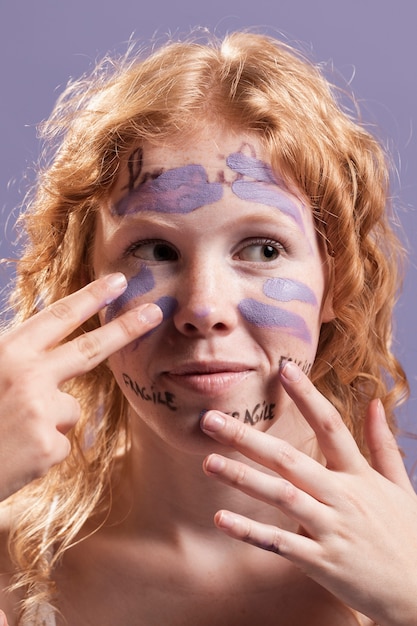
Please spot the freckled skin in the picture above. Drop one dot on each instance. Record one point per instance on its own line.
(223, 299)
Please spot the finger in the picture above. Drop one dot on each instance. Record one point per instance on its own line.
(385, 455)
(58, 320)
(85, 352)
(277, 492)
(271, 452)
(297, 548)
(3, 620)
(334, 438)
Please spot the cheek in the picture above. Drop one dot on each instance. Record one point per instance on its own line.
(140, 284)
(299, 316)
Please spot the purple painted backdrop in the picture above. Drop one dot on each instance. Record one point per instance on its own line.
(371, 43)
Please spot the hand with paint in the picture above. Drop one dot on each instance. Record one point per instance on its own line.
(357, 520)
(35, 413)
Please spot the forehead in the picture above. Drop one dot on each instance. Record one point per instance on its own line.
(210, 150)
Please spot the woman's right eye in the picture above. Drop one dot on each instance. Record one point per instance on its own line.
(158, 251)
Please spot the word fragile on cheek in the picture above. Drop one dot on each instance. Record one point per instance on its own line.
(150, 395)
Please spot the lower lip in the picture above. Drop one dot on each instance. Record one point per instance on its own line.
(208, 384)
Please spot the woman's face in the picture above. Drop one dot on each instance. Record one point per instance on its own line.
(213, 236)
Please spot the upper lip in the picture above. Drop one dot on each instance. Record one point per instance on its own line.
(207, 367)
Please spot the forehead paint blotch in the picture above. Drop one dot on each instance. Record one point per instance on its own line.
(285, 290)
(269, 196)
(265, 188)
(252, 167)
(136, 286)
(268, 316)
(180, 190)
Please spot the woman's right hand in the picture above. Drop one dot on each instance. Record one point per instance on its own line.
(35, 414)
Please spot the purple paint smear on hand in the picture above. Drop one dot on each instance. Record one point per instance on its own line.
(285, 290)
(268, 316)
(180, 190)
(136, 286)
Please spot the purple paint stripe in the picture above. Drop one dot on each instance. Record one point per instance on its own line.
(180, 190)
(250, 166)
(168, 305)
(285, 290)
(268, 316)
(269, 196)
(136, 286)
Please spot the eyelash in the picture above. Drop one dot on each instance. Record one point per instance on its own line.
(280, 246)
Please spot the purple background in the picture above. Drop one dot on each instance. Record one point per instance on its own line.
(371, 43)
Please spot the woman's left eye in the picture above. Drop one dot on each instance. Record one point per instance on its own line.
(153, 250)
(260, 251)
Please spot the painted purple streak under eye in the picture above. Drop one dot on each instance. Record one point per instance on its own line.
(168, 305)
(285, 290)
(250, 166)
(180, 190)
(136, 286)
(268, 316)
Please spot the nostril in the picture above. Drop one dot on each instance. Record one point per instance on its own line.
(190, 328)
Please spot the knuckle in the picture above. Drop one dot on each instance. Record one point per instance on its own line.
(89, 346)
(276, 544)
(239, 432)
(332, 422)
(61, 310)
(240, 474)
(285, 456)
(289, 493)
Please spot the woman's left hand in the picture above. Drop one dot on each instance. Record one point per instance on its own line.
(358, 520)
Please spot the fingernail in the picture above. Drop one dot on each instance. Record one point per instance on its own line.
(212, 422)
(150, 313)
(117, 280)
(214, 463)
(3, 621)
(291, 372)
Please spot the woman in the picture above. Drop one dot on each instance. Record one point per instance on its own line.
(224, 181)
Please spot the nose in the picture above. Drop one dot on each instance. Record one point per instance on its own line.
(206, 303)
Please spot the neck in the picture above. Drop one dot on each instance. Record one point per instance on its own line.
(164, 490)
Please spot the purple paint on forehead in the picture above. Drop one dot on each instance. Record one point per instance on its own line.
(250, 166)
(268, 195)
(267, 316)
(179, 190)
(136, 286)
(265, 188)
(285, 290)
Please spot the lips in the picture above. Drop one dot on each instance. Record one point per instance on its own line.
(208, 378)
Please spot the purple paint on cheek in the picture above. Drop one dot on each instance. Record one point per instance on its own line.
(180, 190)
(285, 290)
(168, 305)
(267, 316)
(136, 286)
